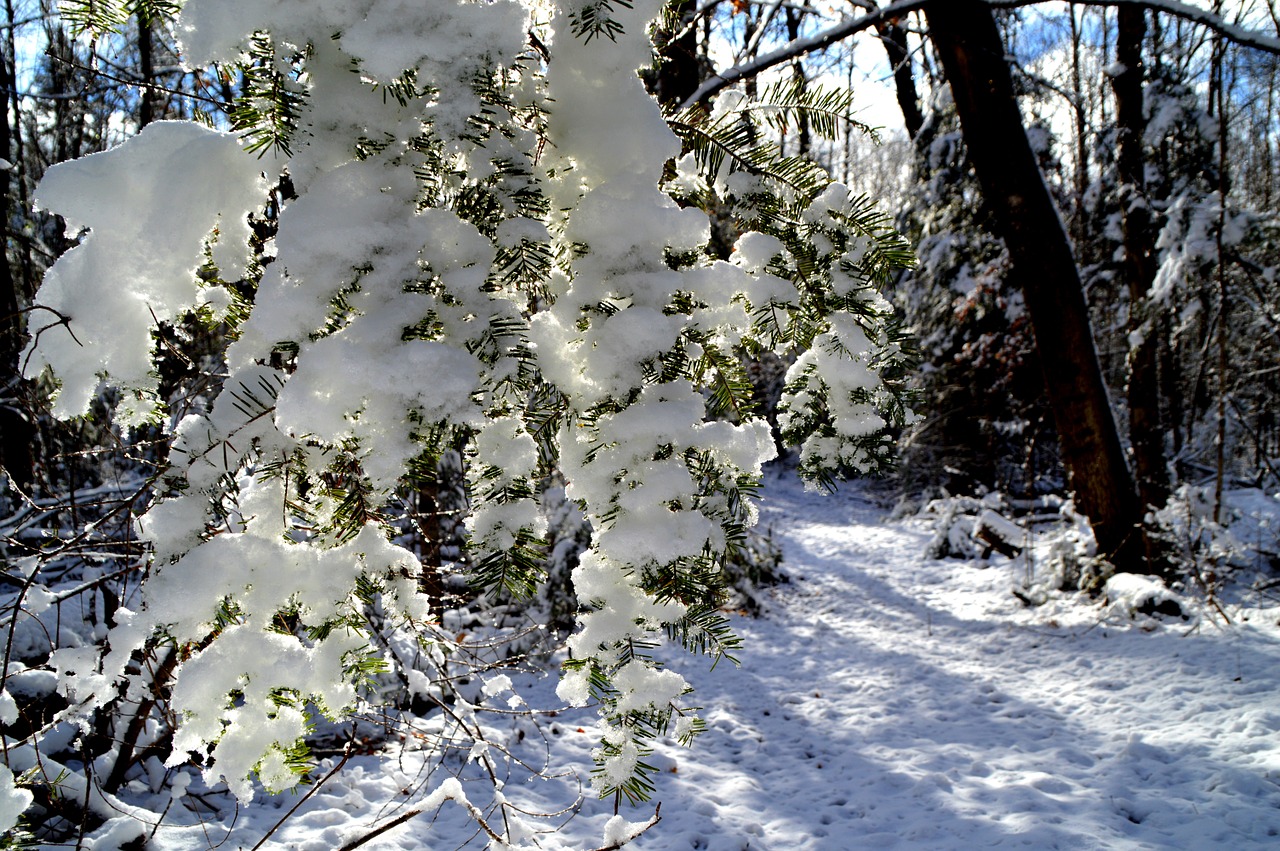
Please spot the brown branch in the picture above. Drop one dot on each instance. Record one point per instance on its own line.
(137, 724)
(315, 787)
(378, 831)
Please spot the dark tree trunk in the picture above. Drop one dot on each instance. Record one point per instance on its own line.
(968, 43)
(16, 430)
(17, 155)
(894, 39)
(1146, 436)
(146, 69)
(803, 139)
(679, 71)
(68, 107)
(1081, 140)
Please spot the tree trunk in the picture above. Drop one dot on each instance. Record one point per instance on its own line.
(146, 69)
(26, 270)
(679, 69)
(16, 430)
(1081, 140)
(968, 43)
(1145, 433)
(894, 39)
(803, 139)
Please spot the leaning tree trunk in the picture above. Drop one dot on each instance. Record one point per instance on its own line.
(969, 46)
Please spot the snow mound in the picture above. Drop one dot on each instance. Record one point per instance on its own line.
(1133, 595)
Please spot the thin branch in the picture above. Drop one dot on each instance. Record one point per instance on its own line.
(765, 20)
(801, 47)
(381, 829)
(141, 85)
(1234, 32)
(619, 843)
(315, 787)
(1237, 34)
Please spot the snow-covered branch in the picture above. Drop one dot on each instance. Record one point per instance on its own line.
(454, 248)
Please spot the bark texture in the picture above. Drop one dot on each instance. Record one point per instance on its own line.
(894, 39)
(1146, 435)
(16, 430)
(969, 46)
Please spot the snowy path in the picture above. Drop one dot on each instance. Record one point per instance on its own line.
(889, 701)
(892, 701)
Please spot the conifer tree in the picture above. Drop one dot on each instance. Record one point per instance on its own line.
(481, 249)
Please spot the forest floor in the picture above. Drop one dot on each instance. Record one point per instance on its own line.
(886, 700)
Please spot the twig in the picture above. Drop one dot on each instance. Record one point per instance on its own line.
(619, 843)
(140, 84)
(378, 831)
(63, 320)
(852, 25)
(346, 755)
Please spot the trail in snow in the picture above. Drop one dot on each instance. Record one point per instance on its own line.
(894, 701)
(890, 701)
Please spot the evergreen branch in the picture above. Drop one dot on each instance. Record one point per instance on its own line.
(784, 102)
(712, 142)
(594, 19)
(269, 110)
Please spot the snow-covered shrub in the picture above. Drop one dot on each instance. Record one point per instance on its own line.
(751, 569)
(1048, 546)
(1244, 538)
(568, 537)
(1057, 552)
(953, 527)
(479, 252)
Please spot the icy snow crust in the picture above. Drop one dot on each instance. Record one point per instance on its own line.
(890, 701)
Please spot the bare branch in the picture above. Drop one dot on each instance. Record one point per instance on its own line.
(852, 25)
(800, 47)
(1242, 36)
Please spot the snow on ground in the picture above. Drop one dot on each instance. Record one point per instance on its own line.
(889, 701)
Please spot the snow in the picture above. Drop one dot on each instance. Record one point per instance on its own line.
(12, 800)
(378, 329)
(382, 298)
(1132, 594)
(137, 266)
(890, 701)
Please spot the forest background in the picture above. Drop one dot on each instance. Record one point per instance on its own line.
(1094, 303)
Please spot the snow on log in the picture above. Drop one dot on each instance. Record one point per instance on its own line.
(1135, 595)
(999, 533)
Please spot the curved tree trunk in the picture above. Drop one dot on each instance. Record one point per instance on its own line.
(972, 54)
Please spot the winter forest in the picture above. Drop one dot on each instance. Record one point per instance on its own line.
(671, 424)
